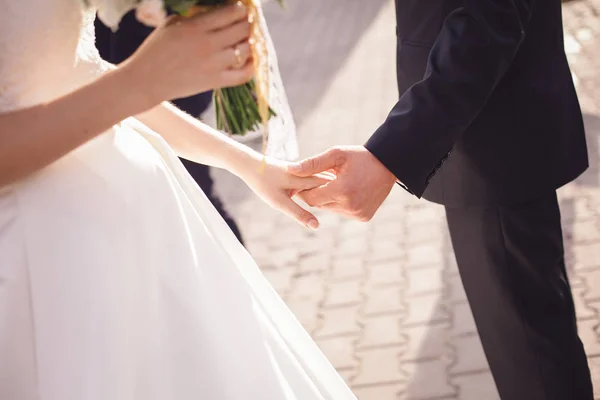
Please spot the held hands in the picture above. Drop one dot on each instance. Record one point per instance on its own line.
(187, 56)
(211, 50)
(276, 186)
(361, 185)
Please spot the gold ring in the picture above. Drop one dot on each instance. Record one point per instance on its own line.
(239, 61)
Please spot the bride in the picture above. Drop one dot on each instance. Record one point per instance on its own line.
(118, 280)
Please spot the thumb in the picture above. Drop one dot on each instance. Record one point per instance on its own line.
(330, 159)
(293, 210)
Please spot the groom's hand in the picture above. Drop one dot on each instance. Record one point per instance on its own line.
(362, 182)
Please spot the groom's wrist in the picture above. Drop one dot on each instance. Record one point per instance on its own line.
(397, 180)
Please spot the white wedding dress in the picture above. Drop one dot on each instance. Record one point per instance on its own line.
(118, 279)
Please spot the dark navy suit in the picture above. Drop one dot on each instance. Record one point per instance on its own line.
(488, 124)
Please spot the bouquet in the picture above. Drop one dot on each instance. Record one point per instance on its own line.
(239, 109)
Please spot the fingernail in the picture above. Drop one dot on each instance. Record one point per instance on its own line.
(313, 224)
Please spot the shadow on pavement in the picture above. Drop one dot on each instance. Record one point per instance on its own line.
(313, 39)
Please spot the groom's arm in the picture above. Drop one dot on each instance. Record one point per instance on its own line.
(471, 54)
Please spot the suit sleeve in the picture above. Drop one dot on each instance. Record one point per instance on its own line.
(471, 54)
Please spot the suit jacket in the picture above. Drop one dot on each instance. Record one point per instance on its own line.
(116, 47)
(488, 112)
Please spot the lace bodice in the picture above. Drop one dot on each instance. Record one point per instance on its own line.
(46, 50)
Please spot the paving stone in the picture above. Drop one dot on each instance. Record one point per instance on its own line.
(283, 256)
(426, 342)
(469, 355)
(347, 375)
(479, 386)
(289, 235)
(423, 280)
(582, 307)
(316, 244)
(306, 312)
(280, 278)
(379, 392)
(340, 351)
(425, 233)
(382, 331)
(427, 379)
(308, 287)
(315, 263)
(425, 310)
(260, 252)
(426, 213)
(385, 273)
(327, 222)
(351, 247)
(351, 229)
(576, 210)
(379, 366)
(260, 229)
(454, 291)
(586, 256)
(386, 250)
(584, 231)
(384, 300)
(344, 269)
(591, 278)
(462, 320)
(425, 255)
(338, 322)
(576, 279)
(589, 334)
(343, 294)
(450, 265)
(393, 209)
(392, 228)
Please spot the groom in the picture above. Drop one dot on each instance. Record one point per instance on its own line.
(487, 124)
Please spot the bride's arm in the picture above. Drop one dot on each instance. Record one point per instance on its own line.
(49, 131)
(183, 58)
(180, 59)
(195, 141)
(32, 138)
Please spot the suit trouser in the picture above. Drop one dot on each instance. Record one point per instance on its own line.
(511, 262)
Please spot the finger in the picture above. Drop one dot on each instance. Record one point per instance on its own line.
(318, 196)
(323, 162)
(227, 58)
(232, 35)
(221, 17)
(307, 183)
(327, 175)
(238, 76)
(293, 210)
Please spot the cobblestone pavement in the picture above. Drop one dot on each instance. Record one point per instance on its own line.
(383, 299)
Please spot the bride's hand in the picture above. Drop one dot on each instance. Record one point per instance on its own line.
(274, 185)
(187, 56)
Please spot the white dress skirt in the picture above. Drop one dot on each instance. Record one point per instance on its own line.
(118, 278)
